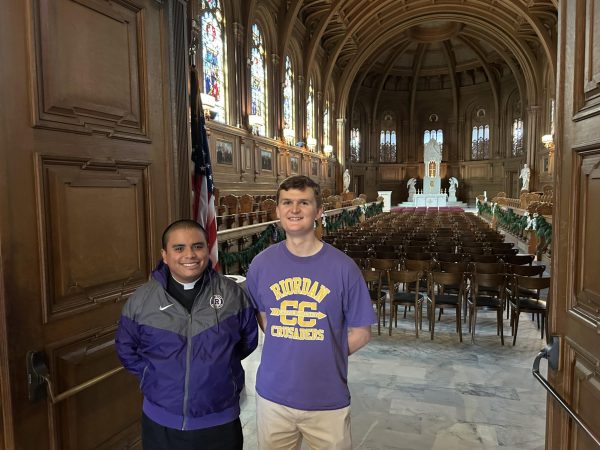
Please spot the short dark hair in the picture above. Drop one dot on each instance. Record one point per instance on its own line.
(182, 224)
(301, 182)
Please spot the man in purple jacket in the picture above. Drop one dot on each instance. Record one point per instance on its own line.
(184, 334)
(315, 310)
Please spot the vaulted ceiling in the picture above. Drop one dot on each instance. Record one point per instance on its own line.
(427, 44)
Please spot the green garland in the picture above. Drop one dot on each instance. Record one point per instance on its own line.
(517, 224)
(543, 230)
(344, 219)
(350, 218)
(271, 234)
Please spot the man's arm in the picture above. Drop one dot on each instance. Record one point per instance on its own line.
(357, 338)
(127, 343)
(262, 319)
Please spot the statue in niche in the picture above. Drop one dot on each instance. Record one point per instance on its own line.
(525, 174)
(412, 190)
(346, 180)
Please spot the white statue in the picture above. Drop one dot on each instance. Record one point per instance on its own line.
(525, 174)
(346, 184)
(412, 190)
(452, 189)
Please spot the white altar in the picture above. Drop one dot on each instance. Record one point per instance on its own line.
(430, 200)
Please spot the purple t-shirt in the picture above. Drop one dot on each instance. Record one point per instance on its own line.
(310, 302)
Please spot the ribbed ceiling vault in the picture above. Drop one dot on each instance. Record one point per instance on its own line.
(382, 41)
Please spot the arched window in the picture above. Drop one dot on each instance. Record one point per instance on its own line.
(310, 114)
(288, 102)
(258, 82)
(355, 145)
(387, 139)
(387, 146)
(517, 137)
(213, 55)
(438, 135)
(480, 142)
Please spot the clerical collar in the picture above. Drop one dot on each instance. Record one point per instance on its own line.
(186, 286)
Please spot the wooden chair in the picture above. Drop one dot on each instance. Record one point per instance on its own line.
(520, 301)
(443, 293)
(487, 291)
(384, 265)
(269, 205)
(232, 203)
(401, 296)
(520, 260)
(525, 271)
(373, 279)
(484, 258)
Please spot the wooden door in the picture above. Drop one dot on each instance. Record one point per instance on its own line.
(89, 124)
(575, 308)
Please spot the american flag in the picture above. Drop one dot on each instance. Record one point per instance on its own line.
(202, 179)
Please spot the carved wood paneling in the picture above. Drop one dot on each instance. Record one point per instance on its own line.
(89, 68)
(478, 170)
(392, 173)
(587, 68)
(88, 419)
(93, 220)
(587, 284)
(585, 396)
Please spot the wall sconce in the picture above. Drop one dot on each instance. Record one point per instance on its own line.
(548, 142)
(311, 143)
(256, 122)
(289, 135)
(208, 103)
(328, 150)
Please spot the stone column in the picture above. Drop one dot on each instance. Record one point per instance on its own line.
(300, 124)
(533, 143)
(275, 113)
(318, 122)
(239, 94)
(340, 151)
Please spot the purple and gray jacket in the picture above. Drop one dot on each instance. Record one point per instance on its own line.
(189, 365)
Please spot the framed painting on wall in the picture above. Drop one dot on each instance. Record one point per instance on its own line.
(224, 152)
(294, 164)
(266, 159)
(314, 168)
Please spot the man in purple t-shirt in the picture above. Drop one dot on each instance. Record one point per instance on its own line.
(315, 309)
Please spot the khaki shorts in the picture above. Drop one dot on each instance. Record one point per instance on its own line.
(283, 428)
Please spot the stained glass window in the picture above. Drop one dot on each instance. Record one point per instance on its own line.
(213, 55)
(387, 146)
(517, 137)
(355, 145)
(258, 80)
(310, 111)
(288, 97)
(480, 142)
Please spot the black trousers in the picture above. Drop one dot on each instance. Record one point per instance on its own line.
(222, 437)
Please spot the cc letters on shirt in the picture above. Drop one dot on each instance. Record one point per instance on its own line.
(298, 318)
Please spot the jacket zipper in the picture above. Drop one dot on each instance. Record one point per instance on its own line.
(188, 356)
(143, 376)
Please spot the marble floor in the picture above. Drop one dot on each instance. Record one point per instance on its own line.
(410, 393)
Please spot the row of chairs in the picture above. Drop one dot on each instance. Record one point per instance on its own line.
(456, 286)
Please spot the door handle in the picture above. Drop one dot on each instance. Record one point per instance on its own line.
(38, 380)
(551, 353)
